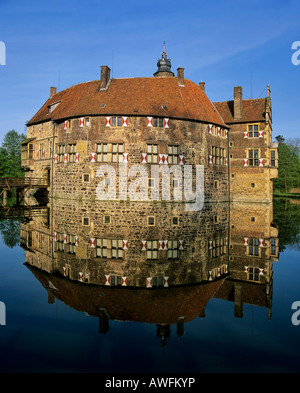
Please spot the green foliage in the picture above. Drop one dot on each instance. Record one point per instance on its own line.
(10, 155)
(10, 231)
(287, 217)
(288, 166)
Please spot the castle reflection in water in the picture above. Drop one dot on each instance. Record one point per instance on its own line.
(152, 262)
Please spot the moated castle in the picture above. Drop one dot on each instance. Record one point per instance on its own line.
(164, 120)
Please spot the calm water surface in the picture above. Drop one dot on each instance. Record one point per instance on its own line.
(49, 326)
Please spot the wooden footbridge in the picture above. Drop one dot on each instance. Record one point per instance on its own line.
(20, 184)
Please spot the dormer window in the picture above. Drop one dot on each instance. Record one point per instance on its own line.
(53, 106)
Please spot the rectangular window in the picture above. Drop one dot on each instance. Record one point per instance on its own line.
(152, 154)
(273, 246)
(151, 221)
(116, 121)
(61, 149)
(110, 152)
(158, 122)
(173, 249)
(72, 152)
(273, 158)
(151, 183)
(253, 157)
(217, 247)
(253, 130)
(152, 249)
(173, 154)
(254, 247)
(253, 274)
(109, 248)
(218, 154)
(106, 219)
(30, 151)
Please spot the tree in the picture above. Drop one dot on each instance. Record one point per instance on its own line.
(288, 166)
(10, 155)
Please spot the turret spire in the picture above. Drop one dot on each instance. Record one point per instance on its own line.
(164, 65)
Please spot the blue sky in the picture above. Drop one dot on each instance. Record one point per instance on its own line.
(223, 43)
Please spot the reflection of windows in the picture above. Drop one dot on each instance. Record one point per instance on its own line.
(217, 247)
(173, 249)
(172, 154)
(253, 274)
(254, 247)
(115, 280)
(273, 247)
(157, 281)
(152, 249)
(65, 243)
(110, 152)
(109, 248)
(152, 153)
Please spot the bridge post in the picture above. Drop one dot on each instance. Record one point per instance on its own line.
(4, 197)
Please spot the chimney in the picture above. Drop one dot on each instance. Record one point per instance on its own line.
(202, 85)
(52, 91)
(238, 103)
(180, 76)
(105, 77)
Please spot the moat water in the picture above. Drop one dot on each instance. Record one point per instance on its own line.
(48, 323)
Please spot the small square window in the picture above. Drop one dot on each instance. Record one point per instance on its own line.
(252, 218)
(252, 185)
(106, 219)
(85, 221)
(175, 220)
(151, 220)
(151, 183)
(86, 177)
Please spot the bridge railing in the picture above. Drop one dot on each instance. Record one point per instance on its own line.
(9, 182)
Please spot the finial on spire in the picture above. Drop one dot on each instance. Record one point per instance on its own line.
(164, 64)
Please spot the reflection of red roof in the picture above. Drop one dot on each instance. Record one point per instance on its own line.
(132, 96)
(160, 305)
(253, 110)
(253, 293)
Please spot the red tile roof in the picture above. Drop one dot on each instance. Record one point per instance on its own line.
(132, 96)
(253, 110)
(159, 305)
